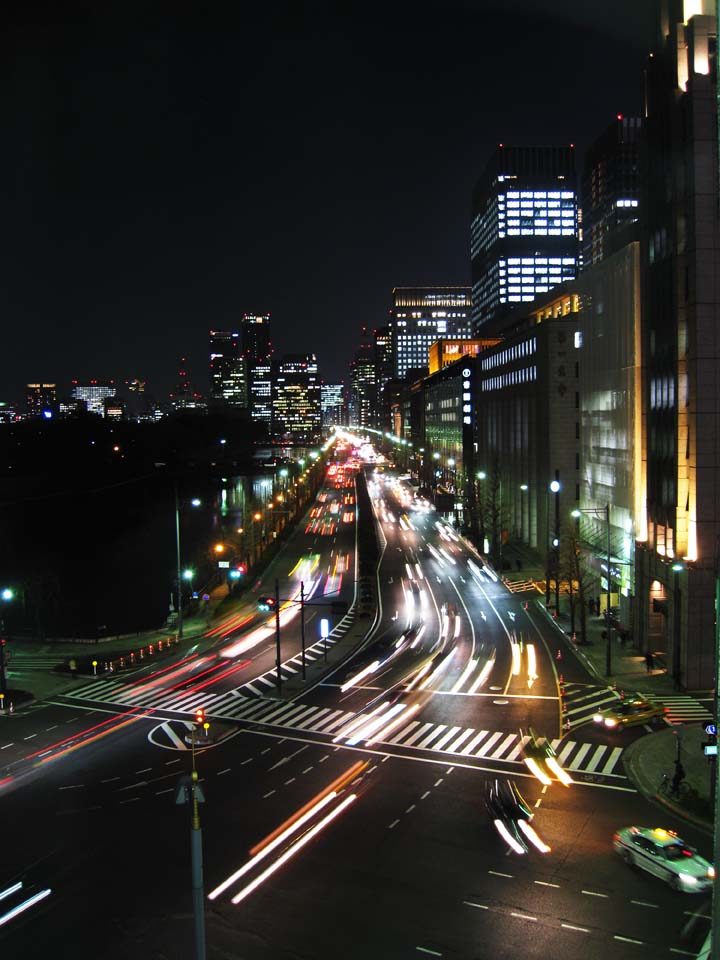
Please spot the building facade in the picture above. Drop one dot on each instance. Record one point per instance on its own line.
(228, 377)
(257, 352)
(296, 406)
(422, 315)
(677, 562)
(40, 398)
(93, 394)
(610, 189)
(363, 394)
(524, 229)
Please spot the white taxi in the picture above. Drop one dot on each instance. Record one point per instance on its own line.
(664, 854)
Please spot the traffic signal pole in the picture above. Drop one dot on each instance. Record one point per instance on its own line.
(278, 657)
(302, 626)
(196, 857)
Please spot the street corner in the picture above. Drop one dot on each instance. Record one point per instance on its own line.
(184, 734)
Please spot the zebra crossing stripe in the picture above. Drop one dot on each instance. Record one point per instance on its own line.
(416, 736)
(503, 746)
(280, 716)
(347, 715)
(614, 757)
(596, 758)
(460, 740)
(308, 721)
(325, 720)
(475, 740)
(403, 732)
(249, 686)
(431, 736)
(565, 752)
(264, 679)
(286, 666)
(593, 707)
(579, 756)
(515, 752)
(488, 743)
(444, 739)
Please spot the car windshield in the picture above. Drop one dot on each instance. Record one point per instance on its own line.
(678, 851)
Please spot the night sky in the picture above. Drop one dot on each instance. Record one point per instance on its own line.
(168, 167)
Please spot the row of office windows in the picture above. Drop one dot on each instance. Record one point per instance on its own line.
(510, 379)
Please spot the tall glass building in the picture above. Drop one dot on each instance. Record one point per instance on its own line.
(296, 399)
(228, 380)
(257, 353)
(524, 229)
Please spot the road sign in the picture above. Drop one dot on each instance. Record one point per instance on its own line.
(711, 729)
(224, 564)
(324, 628)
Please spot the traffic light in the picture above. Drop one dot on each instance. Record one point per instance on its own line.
(266, 603)
(200, 716)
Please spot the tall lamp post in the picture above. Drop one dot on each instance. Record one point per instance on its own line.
(555, 489)
(6, 595)
(195, 503)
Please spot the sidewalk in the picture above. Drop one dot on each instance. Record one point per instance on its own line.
(649, 758)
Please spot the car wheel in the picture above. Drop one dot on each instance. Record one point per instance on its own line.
(674, 883)
(628, 857)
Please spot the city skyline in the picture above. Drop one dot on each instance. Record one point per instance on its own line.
(139, 217)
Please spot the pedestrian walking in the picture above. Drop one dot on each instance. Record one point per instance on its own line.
(649, 661)
(73, 667)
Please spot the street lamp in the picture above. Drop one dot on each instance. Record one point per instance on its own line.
(555, 489)
(7, 595)
(195, 502)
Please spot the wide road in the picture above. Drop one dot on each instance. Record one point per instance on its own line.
(401, 860)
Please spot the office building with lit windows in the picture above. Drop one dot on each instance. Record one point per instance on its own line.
(611, 189)
(257, 352)
(93, 394)
(524, 229)
(40, 399)
(332, 405)
(228, 380)
(362, 400)
(422, 315)
(296, 399)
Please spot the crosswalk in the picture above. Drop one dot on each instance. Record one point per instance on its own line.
(18, 660)
(682, 708)
(585, 699)
(415, 735)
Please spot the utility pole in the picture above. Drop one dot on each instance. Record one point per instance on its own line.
(608, 625)
(178, 595)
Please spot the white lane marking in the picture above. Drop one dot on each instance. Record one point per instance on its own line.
(592, 893)
(30, 737)
(644, 903)
(416, 736)
(226, 770)
(570, 926)
(447, 736)
(523, 916)
(480, 906)
(8, 745)
(597, 757)
(73, 786)
(131, 800)
(628, 940)
(579, 756)
(488, 744)
(410, 808)
(168, 762)
(544, 883)
(393, 824)
(433, 953)
(460, 740)
(245, 762)
(475, 740)
(503, 746)
(614, 757)
(167, 790)
(144, 770)
(110, 780)
(426, 794)
(496, 874)
(266, 795)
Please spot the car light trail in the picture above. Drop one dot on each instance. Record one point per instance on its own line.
(383, 732)
(358, 721)
(420, 674)
(375, 724)
(415, 642)
(516, 657)
(533, 837)
(537, 771)
(10, 890)
(464, 675)
(25, 905)
(447, 556)
(436, 555)
(360, 676)
(439, 669)
(483, 675)
(564, 778)
(458, 624)
(269, 847)
(420, 574)
(508, 837)
(232, 623)
(532, 672)
(295, 848)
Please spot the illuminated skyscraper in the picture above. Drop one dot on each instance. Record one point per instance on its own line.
(362, 403)
(228, 380)
(524, 229)
(40, 399)
(422, 315)
(257, 353)
(93, 393)
(296, 399)
(332, 403)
